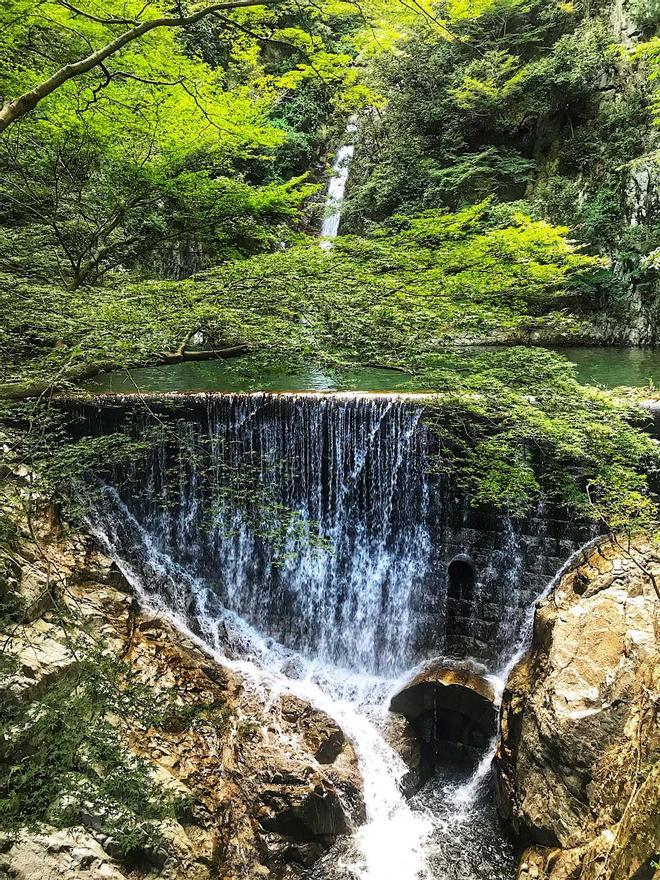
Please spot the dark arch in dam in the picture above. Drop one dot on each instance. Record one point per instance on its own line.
(461, 579)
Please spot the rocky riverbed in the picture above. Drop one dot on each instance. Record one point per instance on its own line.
(270, 782)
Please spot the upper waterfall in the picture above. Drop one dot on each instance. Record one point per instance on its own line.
(336, 190)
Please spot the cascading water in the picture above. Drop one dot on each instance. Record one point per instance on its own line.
(341, 621)
(354, 471)
(337, 190)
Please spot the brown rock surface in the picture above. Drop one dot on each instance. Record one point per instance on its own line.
(400, 735)
(272, 782)
(577, 766)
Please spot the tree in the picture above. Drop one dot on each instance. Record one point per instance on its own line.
(75, 210)
(15, 108)
(159, 163)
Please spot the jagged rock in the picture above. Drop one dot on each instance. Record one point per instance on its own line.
(577, 768)
(271, 781)
(400, 736)
(70, 854)
(301, 809)
(322, 735)
(452, 711)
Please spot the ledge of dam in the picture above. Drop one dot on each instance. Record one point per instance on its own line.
(414, 571)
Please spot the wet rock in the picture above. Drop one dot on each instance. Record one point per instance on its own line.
(269, 782)
(322, 735)
(577, 766)
(400, 735)
(452, 711)
(302, 809)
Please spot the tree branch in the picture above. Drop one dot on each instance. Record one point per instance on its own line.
(20, 106)
(27, 390)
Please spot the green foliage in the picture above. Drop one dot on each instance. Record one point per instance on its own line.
(8, 530)
(73, 209)
(66, 756)
(487, 126)
(185, 148)
(646, 14)
(465, 111)
(515, 426)
(649, 55)
(510, 102)
(411, 283)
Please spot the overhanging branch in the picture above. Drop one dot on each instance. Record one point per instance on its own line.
(17, 107)
(26, 390)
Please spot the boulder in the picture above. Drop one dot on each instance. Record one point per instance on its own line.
(400, 735)
(577, 764)
(452, 711)
(321, 734)
(269, 782)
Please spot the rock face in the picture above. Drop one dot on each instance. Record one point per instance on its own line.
(452, 711)
(401, 736)
(270, 781)
(577, 767)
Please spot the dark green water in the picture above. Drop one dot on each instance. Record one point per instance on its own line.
(612, 367)
(608, 367)
(228, 376)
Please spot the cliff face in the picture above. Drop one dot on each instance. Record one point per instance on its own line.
(264, 783)
(577, 767)
(634, 254)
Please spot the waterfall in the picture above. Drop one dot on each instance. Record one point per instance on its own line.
(337, 189)
(213, 527)
(320, 521)
(391, 845)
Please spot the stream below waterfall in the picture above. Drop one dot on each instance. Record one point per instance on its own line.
(449, 830)
(345, 624)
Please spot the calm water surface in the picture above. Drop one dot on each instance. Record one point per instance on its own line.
(228, 376)
(608, 367)
(612, 367)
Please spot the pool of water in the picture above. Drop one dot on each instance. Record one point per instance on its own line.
(229, 376)
(612, 367)
(608, 367)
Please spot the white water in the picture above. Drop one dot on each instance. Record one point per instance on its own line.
(357, 473)
(401, 840)
(358, 470)
(391, 845)
(336, 191)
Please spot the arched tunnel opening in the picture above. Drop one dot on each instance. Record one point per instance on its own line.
(459, 608)
(453, 714)
(462, 578)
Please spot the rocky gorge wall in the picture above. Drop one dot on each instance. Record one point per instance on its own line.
(618, 191)
(578, 764)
